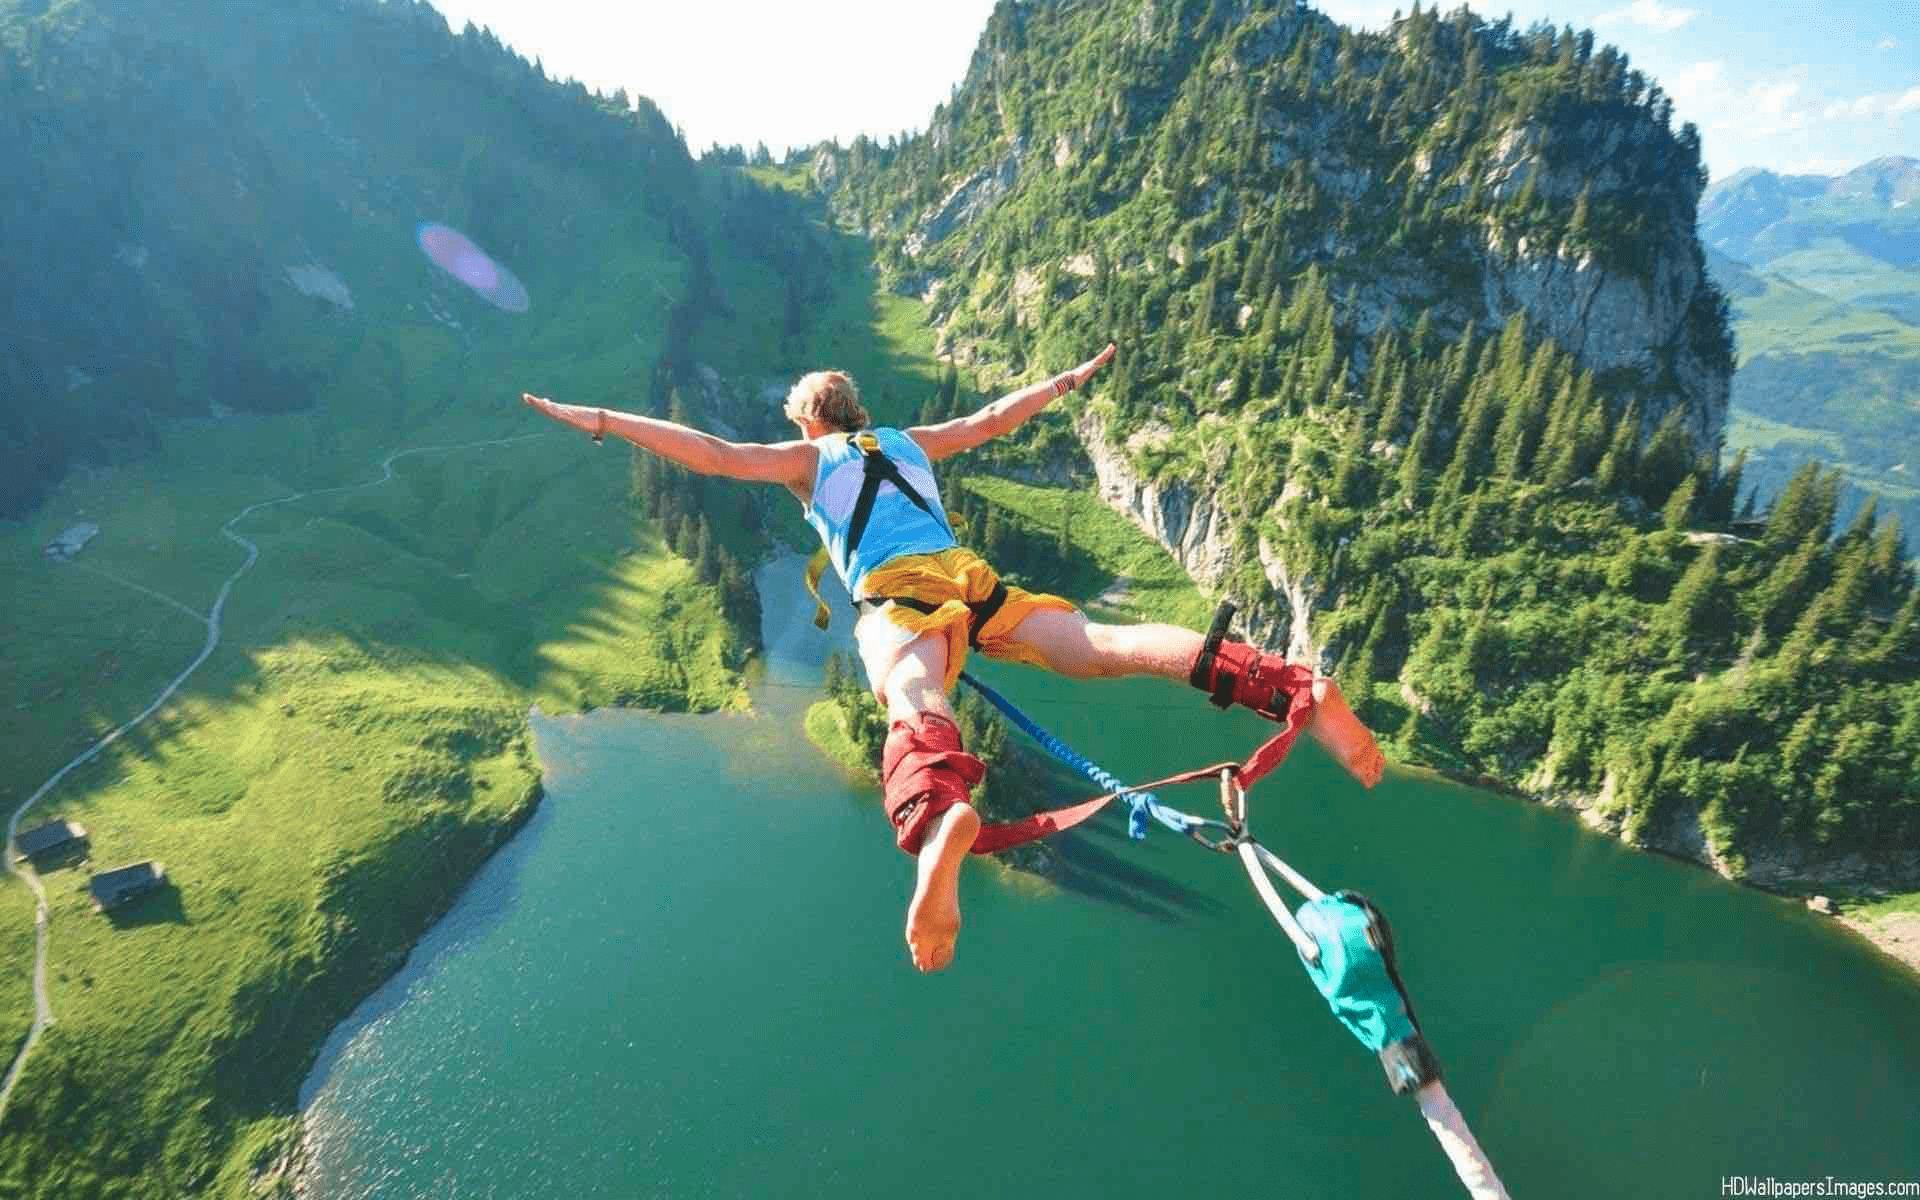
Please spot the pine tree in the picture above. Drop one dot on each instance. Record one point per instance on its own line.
(1725, 492)
(1899, 648)
(1796, 511)
(1667, 458)
(1419, 446)
(1887, 565)
(1468, 466)
(1205, 301)
(1784, 594)
(1861, 530)
(1618, 464)
(1391, 416)
(1838, 612)
(1356, 673)
(1514, 440)
(1692, 614)
(702, 556)
(1475, 535)
(1678, 512)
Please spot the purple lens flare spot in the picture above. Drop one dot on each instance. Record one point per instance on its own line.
(456, 254)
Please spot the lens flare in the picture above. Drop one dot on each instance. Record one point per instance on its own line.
(455, 253)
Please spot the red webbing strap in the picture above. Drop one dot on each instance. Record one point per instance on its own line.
(1274, 751)
(1039, 825)
(1031, 829)
(1269, 755)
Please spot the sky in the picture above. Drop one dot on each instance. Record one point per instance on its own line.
(1793, 86)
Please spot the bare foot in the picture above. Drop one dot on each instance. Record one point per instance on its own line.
(1335, 727)
(933, 916)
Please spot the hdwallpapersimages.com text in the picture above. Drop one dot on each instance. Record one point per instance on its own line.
(1770, 1187)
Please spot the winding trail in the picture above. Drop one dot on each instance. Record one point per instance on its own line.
(42, 1007)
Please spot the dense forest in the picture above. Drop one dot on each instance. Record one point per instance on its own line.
(1423, 314)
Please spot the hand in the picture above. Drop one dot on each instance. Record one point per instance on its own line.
(587, 420)
(1067, 381)
(542, 405)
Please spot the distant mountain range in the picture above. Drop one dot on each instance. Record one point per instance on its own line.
(1824, 276)
(1855, 237)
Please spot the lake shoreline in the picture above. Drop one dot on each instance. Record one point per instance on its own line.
(1895, 935)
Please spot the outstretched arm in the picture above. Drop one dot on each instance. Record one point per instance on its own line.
(788, 463)
(1005, 414)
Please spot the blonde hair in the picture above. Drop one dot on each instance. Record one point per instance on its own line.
(829, 396)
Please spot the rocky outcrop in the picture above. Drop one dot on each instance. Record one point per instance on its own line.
(1678, 833)
(966, 201)
(1184, 516)
(1633, 311)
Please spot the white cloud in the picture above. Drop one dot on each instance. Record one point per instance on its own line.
(1774, 105)
(1885, 44)
(1650, 13)
(1874, 104)
(1772, 99)
(1699, 87)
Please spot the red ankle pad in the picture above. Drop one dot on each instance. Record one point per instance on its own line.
(1241, 674)
(925, 772)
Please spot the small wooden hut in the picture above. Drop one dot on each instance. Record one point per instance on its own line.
(113, 888)
(52, 841)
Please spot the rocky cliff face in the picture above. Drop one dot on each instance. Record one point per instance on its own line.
(1183, 516)
(1637, 312)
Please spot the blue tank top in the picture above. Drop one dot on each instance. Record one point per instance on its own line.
(895, 527)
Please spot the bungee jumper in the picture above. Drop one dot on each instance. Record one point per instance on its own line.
(925, 602)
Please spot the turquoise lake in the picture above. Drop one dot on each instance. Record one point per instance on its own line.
(686, 978)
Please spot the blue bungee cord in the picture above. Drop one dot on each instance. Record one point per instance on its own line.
(1142, 805)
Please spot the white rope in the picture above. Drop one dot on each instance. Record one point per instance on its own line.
(1295, 880)
(1302, 941)
(1450, 1130)
(1443, 1118)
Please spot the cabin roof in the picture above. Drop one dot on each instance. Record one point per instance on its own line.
(46, 837)
(110, 886)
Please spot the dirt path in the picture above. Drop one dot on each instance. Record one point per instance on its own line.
(42, 1005)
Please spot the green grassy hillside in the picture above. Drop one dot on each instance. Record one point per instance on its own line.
(1827, 380)
(321, 787)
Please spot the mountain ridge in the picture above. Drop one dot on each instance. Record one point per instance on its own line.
(1436, 492)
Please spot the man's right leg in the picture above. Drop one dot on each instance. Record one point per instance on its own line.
(1072, 645)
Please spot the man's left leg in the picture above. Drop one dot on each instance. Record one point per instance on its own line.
(926, 774)
(1070, 644)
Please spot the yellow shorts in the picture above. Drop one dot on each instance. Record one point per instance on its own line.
(954, 579)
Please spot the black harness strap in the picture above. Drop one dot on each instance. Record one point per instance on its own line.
(879, 469)
(982, 612)
(1220, 690)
